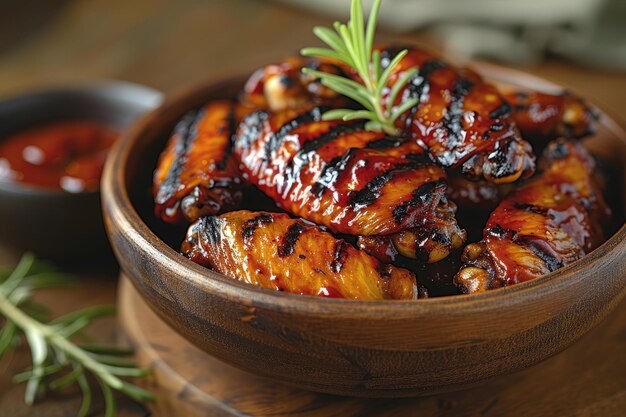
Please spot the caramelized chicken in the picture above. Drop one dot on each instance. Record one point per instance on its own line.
(474, 195)
(274, 251)
(284, 86)
(462, 122)
(392, 193)
(196, 174)
(349, 179)
(543, 117)
(544, 225)
(429, 243)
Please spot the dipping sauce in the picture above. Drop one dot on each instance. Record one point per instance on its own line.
(65, 156)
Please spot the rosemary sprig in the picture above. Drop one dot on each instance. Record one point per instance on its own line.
(352, 45)
(57, 361)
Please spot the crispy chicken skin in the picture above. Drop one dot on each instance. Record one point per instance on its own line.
(542, 117)
(550, 222)
(339, 175)
(284, 86)
(275, 251)
(462, 122)
(196, 174)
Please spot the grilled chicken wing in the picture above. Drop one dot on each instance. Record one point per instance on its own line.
(351, 180)
(275, 251)
(429, 243)
(284, 86)
(542, 117)
(546, 224)
(196, 174)
(461, 121)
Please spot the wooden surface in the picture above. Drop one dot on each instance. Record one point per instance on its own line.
(589, 379)
(170, 43)
(97, 286)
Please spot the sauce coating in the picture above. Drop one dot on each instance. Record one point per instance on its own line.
(284, 86)
(544, 225)
(461, 121)
(65, 156)
(542, 117)
(351, 180)
(196, 174)
(275, 251)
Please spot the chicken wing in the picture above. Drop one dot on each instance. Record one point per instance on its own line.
(461, 121)
(284, 86)
(543, 117)
(274, 251)
(544, 225)
(346, 178)
(196, 174)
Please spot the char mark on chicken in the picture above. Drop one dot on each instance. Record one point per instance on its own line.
(275, 251)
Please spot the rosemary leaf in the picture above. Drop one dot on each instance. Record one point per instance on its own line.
(52, 349)
(109, 400)
(66, 380)
(85, 406)
(376, 64)
(20, 271)
(403, 108)
(107, 350)
(358, 114)
(49, 279)
(332, 39)
(129, 372)
(400, 83)
(322, 52)
(90, 313)
(387, 72)
(371, 27)
(338, 79)
(48, 370)
(74, 327)
(7, 334)
(336, 114)
(352, 45)
(113, 360)
(39, 352)
(348, 92)
(137, 393)
(373, 125)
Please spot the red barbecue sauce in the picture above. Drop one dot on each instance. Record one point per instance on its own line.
(65, 156)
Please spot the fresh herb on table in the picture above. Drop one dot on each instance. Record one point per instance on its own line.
(352, 44)
(58, 361)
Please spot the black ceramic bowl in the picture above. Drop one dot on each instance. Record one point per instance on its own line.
(56, 224)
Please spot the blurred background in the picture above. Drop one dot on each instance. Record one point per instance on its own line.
(168, 44)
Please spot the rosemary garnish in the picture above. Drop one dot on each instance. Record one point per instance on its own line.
(57, 361)
(352, 45)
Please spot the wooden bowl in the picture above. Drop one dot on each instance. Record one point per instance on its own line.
(56, 224)
(347, 347)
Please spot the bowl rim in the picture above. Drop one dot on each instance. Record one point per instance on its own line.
(121, 212)
(108, 89)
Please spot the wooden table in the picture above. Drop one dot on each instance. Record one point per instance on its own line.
(168, 44)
